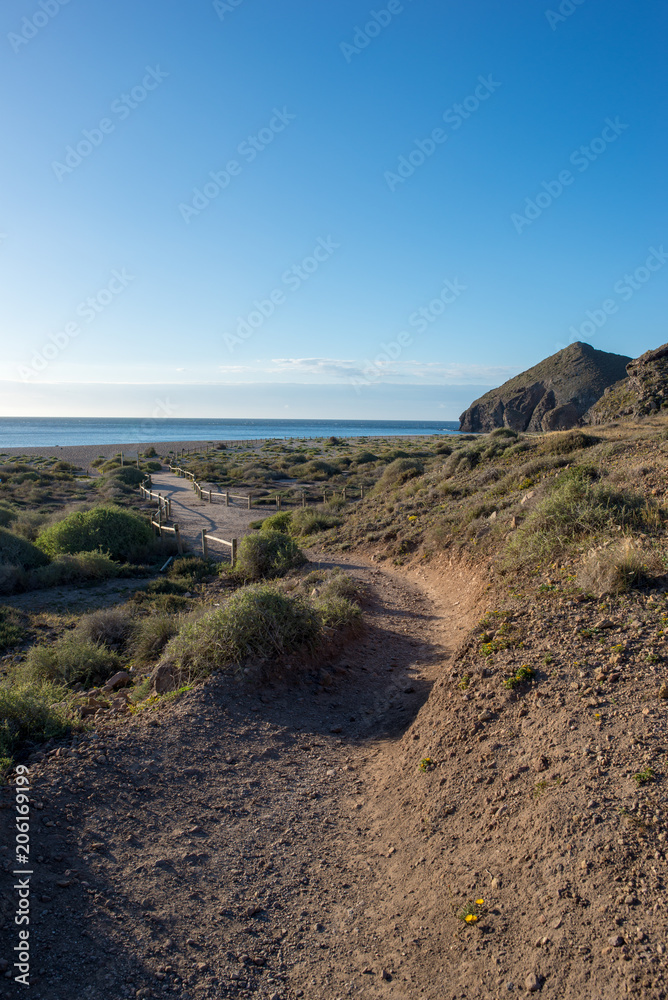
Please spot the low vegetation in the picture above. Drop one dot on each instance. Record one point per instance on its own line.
(121, 534)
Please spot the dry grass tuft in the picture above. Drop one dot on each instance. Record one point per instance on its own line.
(614, 569)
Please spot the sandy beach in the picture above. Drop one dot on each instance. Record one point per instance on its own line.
(82, 455)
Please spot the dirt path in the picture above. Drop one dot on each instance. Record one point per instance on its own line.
(225, 846)
(193, 514)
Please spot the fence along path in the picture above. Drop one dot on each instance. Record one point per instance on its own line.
(195, 515)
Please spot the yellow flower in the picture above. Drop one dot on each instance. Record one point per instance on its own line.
(479, 902)
(471, 918)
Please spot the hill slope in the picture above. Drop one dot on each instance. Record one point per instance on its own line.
(553, 395)
(644, 391)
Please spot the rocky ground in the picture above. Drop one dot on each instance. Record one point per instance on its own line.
(288, 842)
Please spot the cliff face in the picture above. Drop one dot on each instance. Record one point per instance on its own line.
(553, 395)
(644, 391)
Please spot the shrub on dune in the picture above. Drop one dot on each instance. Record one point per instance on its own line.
(107, 528)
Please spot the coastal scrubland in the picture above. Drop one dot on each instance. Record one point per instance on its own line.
(512, 781)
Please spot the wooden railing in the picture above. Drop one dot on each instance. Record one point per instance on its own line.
(277, 498)
(211, 495)
(232, 545)
(164, 513)
(164, 503)
(170, 530)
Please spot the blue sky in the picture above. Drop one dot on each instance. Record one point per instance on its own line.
(316, 210)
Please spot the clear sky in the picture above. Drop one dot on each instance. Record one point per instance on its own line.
(315, 209)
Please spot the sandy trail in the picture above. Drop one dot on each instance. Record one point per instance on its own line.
(192, 514)
(228, 845)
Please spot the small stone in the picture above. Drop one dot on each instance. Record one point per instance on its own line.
(663, 692)
(384, 974)
(119, 679)
(531, 983)
(615, 941)
(631, 900)
(496, 882)
(319, 928)
(541, 764)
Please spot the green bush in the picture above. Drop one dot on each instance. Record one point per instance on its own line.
(399, 471)
(268, 554)
(80, 568)
(71, 659)
(564, 444)
(129, 475)
(317, 470)
(151, 635)
(20, 552)
(192, 569)
(504, 432)
(7, 514)
(576, 508)
(308, 521)
(338, 614)
(122, 533)
(278, 522)
(12, 629)
(29, 715)
(13, 579)
(109, 627)
(256, 622)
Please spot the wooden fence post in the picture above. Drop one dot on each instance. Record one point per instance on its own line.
(234, 552)
(361, 492)
(303, 499)
(205, 552)
(179, 544)
(121, 459)
(278, 502)
(344, 493)
(227, 498)
(250, 501)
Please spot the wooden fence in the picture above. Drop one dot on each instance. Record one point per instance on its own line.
(164, 513)
(232, 545)
(211, 495)
(164, 504)
(277, 498)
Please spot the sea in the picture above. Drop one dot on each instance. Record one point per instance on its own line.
(36, 432)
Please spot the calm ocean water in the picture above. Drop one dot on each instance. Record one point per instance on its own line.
(38, 432)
